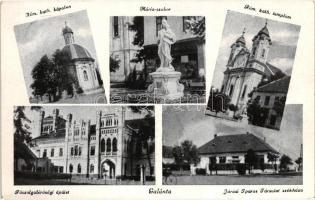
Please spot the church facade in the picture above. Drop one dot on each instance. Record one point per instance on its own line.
(82, 68)
(246, 68)
(107, 149)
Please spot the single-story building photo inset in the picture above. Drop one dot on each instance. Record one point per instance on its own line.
(202, 150)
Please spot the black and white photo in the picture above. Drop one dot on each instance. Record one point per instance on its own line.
(84, 145)
(59, 60)
(157, 59)
(253, 70)
(203, 150)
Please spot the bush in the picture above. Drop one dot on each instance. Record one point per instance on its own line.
(79, 90)
(241, 169)
(200, 171)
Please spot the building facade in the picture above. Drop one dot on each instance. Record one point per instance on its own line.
(246, 68)
(232, 150)
(105, 149)
(272, 97)
(82, 68)
(187, 52)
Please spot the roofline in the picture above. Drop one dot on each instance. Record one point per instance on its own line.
(224, 152)
(273, 82)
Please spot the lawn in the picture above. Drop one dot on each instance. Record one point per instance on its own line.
(239, 180)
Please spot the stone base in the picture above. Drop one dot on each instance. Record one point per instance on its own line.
(94, 91)
(166, 85)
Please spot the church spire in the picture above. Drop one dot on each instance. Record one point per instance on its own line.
(67, 34)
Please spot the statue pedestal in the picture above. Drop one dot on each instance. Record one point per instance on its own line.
(166, 85)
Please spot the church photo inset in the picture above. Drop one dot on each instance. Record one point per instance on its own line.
(84, 145)
(157, 59)
(59, 60)
(253, 70)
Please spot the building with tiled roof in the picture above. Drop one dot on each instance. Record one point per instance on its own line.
(233, 149)
(111, 147)
(270, 97)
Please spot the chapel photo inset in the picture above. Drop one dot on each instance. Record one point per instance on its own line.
(157, 59)
(253, 70)
(59, 60)
(84, 145)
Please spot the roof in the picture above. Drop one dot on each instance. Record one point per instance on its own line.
(264, 30)
(278, 86)
(67, 29)
(136, 123)
(76, 51)
(167, 152)
(271, 70)
(241, 40)
(21, 150)
(59, 134)
(235, 144)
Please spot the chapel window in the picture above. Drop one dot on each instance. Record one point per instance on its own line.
(45, 153)
(244, 91)
(79, 169)
(61, 152)
(52, 152)
(86, 78)
(91, 168)
(102, 145)
(71, 168)
(92, 150)
(116, 28)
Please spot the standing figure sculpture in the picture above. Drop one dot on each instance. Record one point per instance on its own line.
(166, 38)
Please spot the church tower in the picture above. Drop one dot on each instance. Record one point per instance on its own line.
(236, 47)
(260, 49)
(68, 34)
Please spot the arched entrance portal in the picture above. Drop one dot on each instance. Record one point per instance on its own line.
(108, 169)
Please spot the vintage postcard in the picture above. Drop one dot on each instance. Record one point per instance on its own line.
(146, 100)
(59, 60)
(84, 145)
(157, 59)
(253, 70)
(214, 151)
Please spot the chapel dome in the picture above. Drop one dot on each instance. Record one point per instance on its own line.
(241, 40)
(67, 29)
(76, 51)
(264, 30)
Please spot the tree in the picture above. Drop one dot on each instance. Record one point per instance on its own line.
(250, 159)
(272, 157)
(187, 152)
(279, 105)
(45, 76)
(299, 161)
(64, 80)
(113, 64)
(178, 157)
(257, 114)
(22, 132)
(146, 131)
(218, 102)
(284, 162)
(197, 26)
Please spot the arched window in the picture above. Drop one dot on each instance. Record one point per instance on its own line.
(114, 145)
(85, 75)
(108, 145)
(244, 91)
(91, 168)
(80, 151)
(70, 168)
(71, 151)
(76, 150)
(102, 145)
(79, 169)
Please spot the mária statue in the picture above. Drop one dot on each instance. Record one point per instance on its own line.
(166, 38)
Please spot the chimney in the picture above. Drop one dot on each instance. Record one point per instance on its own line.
(247, 133)
(215, 135)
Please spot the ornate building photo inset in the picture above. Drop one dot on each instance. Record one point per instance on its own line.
(59, 60)
(84, 145)
(157, 59)
(206, 150)
(253, 70)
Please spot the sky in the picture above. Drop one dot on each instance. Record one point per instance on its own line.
(78, 113)
(37, 38)
(194, 125)
(284, 37)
